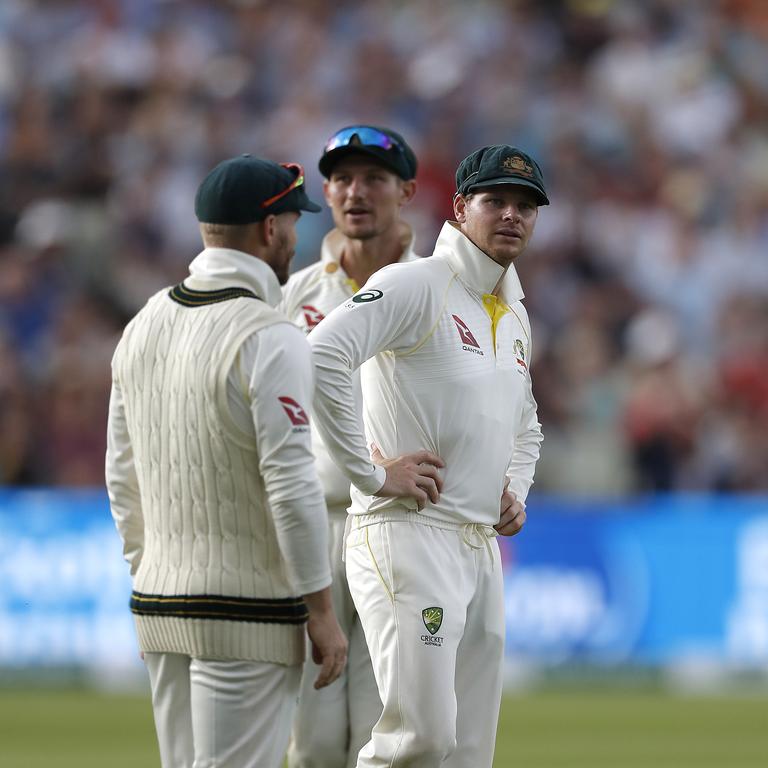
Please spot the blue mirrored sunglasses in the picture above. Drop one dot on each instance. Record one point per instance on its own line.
(366, 136)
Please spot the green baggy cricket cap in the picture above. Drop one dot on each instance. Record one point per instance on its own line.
(246, 189)
(500, 164)
(383, 145)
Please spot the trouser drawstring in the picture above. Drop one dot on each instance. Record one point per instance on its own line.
(471, 532)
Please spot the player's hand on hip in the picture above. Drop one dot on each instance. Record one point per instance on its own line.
(511, 513)
(329, 646)
(413, 475)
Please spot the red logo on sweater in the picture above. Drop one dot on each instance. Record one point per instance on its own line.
(467, 337)
(294, 412)
(312, 316)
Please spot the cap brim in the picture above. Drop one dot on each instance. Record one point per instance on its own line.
(540, 196)
(311, 206)
(297, 200)
(329, 159)
(304, 203)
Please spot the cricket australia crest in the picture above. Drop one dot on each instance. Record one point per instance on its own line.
(516, 164)
(433, 618)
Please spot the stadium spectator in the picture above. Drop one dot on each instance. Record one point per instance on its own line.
(652, 116)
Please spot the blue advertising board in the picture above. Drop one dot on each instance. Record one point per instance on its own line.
(65, 586)
(647, 581)
(651, 581)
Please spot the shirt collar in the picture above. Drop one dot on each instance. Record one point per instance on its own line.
(475, 267)
(216, 268)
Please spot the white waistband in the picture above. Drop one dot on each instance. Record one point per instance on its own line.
(471, 533)
(408, 516)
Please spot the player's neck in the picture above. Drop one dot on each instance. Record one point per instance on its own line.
(361, 258)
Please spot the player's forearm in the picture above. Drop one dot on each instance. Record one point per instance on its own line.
(302, 535)
(319, 602)
(122, 483)
(299, 514)
(522, 466)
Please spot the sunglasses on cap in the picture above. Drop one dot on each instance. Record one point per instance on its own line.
(297, 182)
(366, 136)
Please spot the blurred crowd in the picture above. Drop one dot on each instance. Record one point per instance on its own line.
(647, 281)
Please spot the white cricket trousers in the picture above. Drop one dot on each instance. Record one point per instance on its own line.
(431, 600)
(331, 725)
(221, 714)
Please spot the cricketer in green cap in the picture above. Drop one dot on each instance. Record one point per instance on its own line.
(213, 487)
(251, 204)
(245, 189)
(500, 164)
(499, 190)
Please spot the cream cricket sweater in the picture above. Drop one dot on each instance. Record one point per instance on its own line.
(308, 296)
(447, 371)
(209, 467)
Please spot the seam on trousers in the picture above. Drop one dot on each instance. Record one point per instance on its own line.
(397, 665)
(378, 570)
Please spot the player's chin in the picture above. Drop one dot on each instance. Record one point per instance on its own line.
(283, 273)
(283, 270)
(361, 231)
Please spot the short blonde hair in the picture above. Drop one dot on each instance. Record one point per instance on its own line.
(223, 235)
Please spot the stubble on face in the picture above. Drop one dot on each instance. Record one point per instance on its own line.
(364, 198)
(499, 220)
(283, 246)
(284, 253)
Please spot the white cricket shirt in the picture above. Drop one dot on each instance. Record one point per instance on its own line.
(447, 371)
(308, 296)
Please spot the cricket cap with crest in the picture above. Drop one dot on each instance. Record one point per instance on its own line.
(500, 164)
(246, 189)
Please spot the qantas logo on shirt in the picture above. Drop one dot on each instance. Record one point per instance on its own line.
(469, 342)
(312, 316)
(294, 411)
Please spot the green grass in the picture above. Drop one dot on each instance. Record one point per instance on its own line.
(568, 728)
(75, 728)
(633, 729)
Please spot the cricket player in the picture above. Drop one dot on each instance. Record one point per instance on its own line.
(445, 347)
(212, 483)
(369, 174)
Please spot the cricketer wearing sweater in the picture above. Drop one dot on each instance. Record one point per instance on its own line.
(213, 487)
(445, 347)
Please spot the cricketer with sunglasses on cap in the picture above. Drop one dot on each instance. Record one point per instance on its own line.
(213, 487)
(445, 347)
(369, 176)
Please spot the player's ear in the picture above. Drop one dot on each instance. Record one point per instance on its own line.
(460, 208)
(326, 191)
(407, 191)
(268, 229)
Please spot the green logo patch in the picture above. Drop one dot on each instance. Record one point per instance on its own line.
(433, 618)
(366, 296)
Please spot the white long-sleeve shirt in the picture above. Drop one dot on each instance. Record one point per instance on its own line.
(447, 371)
(308, 296)
(272, 363)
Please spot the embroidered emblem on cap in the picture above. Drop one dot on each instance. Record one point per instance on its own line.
(516, 164)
